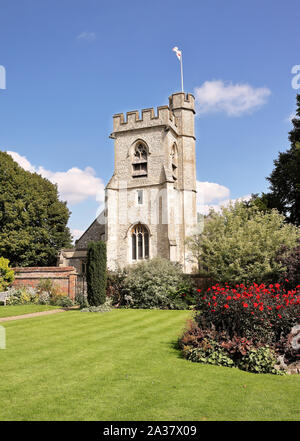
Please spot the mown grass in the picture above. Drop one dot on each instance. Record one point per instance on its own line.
(12, 310)
(122, 365)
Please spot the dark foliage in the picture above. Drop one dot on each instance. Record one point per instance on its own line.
(33, 221)
(96, 273)
(285, 178)
(291, 261)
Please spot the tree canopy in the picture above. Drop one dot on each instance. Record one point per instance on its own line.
(284, 180)
(242, 243)
(33, 221)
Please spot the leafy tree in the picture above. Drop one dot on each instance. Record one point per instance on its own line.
(32, 218)
(241, 244)
(285, 178)
(7, 275)
(96, 273)
(261, 202)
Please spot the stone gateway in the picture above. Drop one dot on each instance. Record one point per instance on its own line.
(150, 201)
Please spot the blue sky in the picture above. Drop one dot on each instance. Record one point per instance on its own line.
(71, 64)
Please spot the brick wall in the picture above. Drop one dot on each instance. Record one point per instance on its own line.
(64, 277)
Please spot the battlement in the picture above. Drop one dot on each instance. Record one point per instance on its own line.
(148, 118)
(182, 100)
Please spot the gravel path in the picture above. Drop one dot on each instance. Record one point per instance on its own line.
(33, 314)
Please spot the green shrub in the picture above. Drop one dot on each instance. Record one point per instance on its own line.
(106, 307)
(7, 275)
(241, 244)
(96, 273)
(210, 352)
(45, 293)
(154, 284)
(22, 295)
(64, 302)
(260, 361)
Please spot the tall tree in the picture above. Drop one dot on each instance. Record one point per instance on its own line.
(96, 273)
(33, 221)
(242, 243)
(285, 178)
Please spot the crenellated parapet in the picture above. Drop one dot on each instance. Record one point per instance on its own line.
(133, 120)
(182, 100)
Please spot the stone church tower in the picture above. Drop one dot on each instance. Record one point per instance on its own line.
(150, 201)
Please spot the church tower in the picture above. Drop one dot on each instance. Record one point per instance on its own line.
(150, 202)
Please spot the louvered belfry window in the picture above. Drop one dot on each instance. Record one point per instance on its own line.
(140, 161)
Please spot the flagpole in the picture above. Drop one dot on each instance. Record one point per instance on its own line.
(181, 72)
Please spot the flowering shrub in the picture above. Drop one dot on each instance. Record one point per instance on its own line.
(262, 313)
(23, 295)
(249, 325)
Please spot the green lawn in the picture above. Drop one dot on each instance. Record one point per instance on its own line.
(122, 365)
(8, 311)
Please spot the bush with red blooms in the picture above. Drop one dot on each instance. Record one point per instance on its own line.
(246, 326)
(262, 313)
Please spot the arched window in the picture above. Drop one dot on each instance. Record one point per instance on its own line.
(174, 161)
(140, 161)
(140, 242)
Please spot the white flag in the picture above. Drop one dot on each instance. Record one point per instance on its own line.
(178, 52)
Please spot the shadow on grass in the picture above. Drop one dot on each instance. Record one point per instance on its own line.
(174, 344)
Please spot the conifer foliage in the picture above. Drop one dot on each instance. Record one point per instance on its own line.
(285, 178)
(96, 273)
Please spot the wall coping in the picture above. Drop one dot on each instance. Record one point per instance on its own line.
(44, 269)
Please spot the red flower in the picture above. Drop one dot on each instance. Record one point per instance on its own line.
(226, 306)
(245, 305)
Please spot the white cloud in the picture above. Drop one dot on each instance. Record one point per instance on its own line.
(210, 191)
(211, 195)
(74, 185)
(88, 36)
(22, 161)
(233, 99)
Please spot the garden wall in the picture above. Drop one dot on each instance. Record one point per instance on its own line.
(201, 282)
(64, 277)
